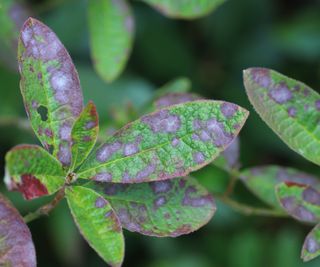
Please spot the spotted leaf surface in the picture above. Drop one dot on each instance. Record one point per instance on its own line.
(229, 158)
(187, 9)
(16, 246)
(33, 171)
(311, 246)
(165, 208)
(175, 98)
(262, 181)
(289, 107)
(302, 202)
(50, 87)
(84, 134)
(98, 223)
(12, 15)
(168, 143)
(111, 26)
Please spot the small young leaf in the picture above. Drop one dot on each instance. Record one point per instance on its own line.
(50, 87)
(289, 107)
(188, 9)
(33, 171)
(12, 15)
(229, 159)
(262, 181)
(169, 143)
(311, 246)
(97, 222)
(84, 134)
(16, 246)
(111, 26)
(301, 201)
(175, 98)
(165, 208)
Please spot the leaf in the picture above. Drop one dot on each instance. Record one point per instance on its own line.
(289, 107)
(165, 208)
(33, 171)
(111, 26)
(169, 143)
(229, 158)
(97, 222)
(178, 85)
(50, 87)
(301, 201)
(84, 134)
(262, 181)
(12, 15)
(311, 246)
(16, 245)
(187, 9)
(175, 98)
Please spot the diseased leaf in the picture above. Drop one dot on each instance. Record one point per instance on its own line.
(289, 107)
(301, 201)
(229, 158)
(262, 181)
(16, 245)
(165, 208)
(12, 15)
(111, 26)
(50, 87)
(97, 222)
(311, 246)
(84, 134)
(187, 9)
(33, 171)
(175, 98)
(168, 143)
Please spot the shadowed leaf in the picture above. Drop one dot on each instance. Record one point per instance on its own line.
(16, 246)
(33, 171)
(176, 86)
(166, 208)
(229, 158)
(311, 246)
(84, 134)
(300, 201)
(289, 107)
(50, 87)
(98, 223)
(262, 181)
(188, 9)
(111, 26)
(165, 144)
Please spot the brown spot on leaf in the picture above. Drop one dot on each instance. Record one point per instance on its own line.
(31, 187)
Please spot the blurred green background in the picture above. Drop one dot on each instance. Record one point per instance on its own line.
(280, 34)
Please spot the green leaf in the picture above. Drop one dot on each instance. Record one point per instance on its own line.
(178, 85)
(262, 181)
(165, 208)
(84, 134)
(289, 107)
(50, 87)
(174, 99)
(311, 246)
(229, 159)
(111, 26)
(165, 144)
(16, 245)
(97, 222)
(12, 15)
(187, 9)
(300, 201)
(33, 171)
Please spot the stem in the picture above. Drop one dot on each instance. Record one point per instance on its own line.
(248, 210)
(46, 209)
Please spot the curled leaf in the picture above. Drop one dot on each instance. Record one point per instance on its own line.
(50, 87)
(165, 208)
(16, 245)
(97, 222)
(33, 171)
(169, 143)
(290, 108)
(311, 246)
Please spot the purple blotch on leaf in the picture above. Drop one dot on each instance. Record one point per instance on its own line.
(261, 76)
(198, 157)
(161, 186)
(311, 195)
(192, 199)
(228, 109)
(281, 93)
(100, 202)
(292, 111)
(107, 150)
(312, 245)
(162, 121)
